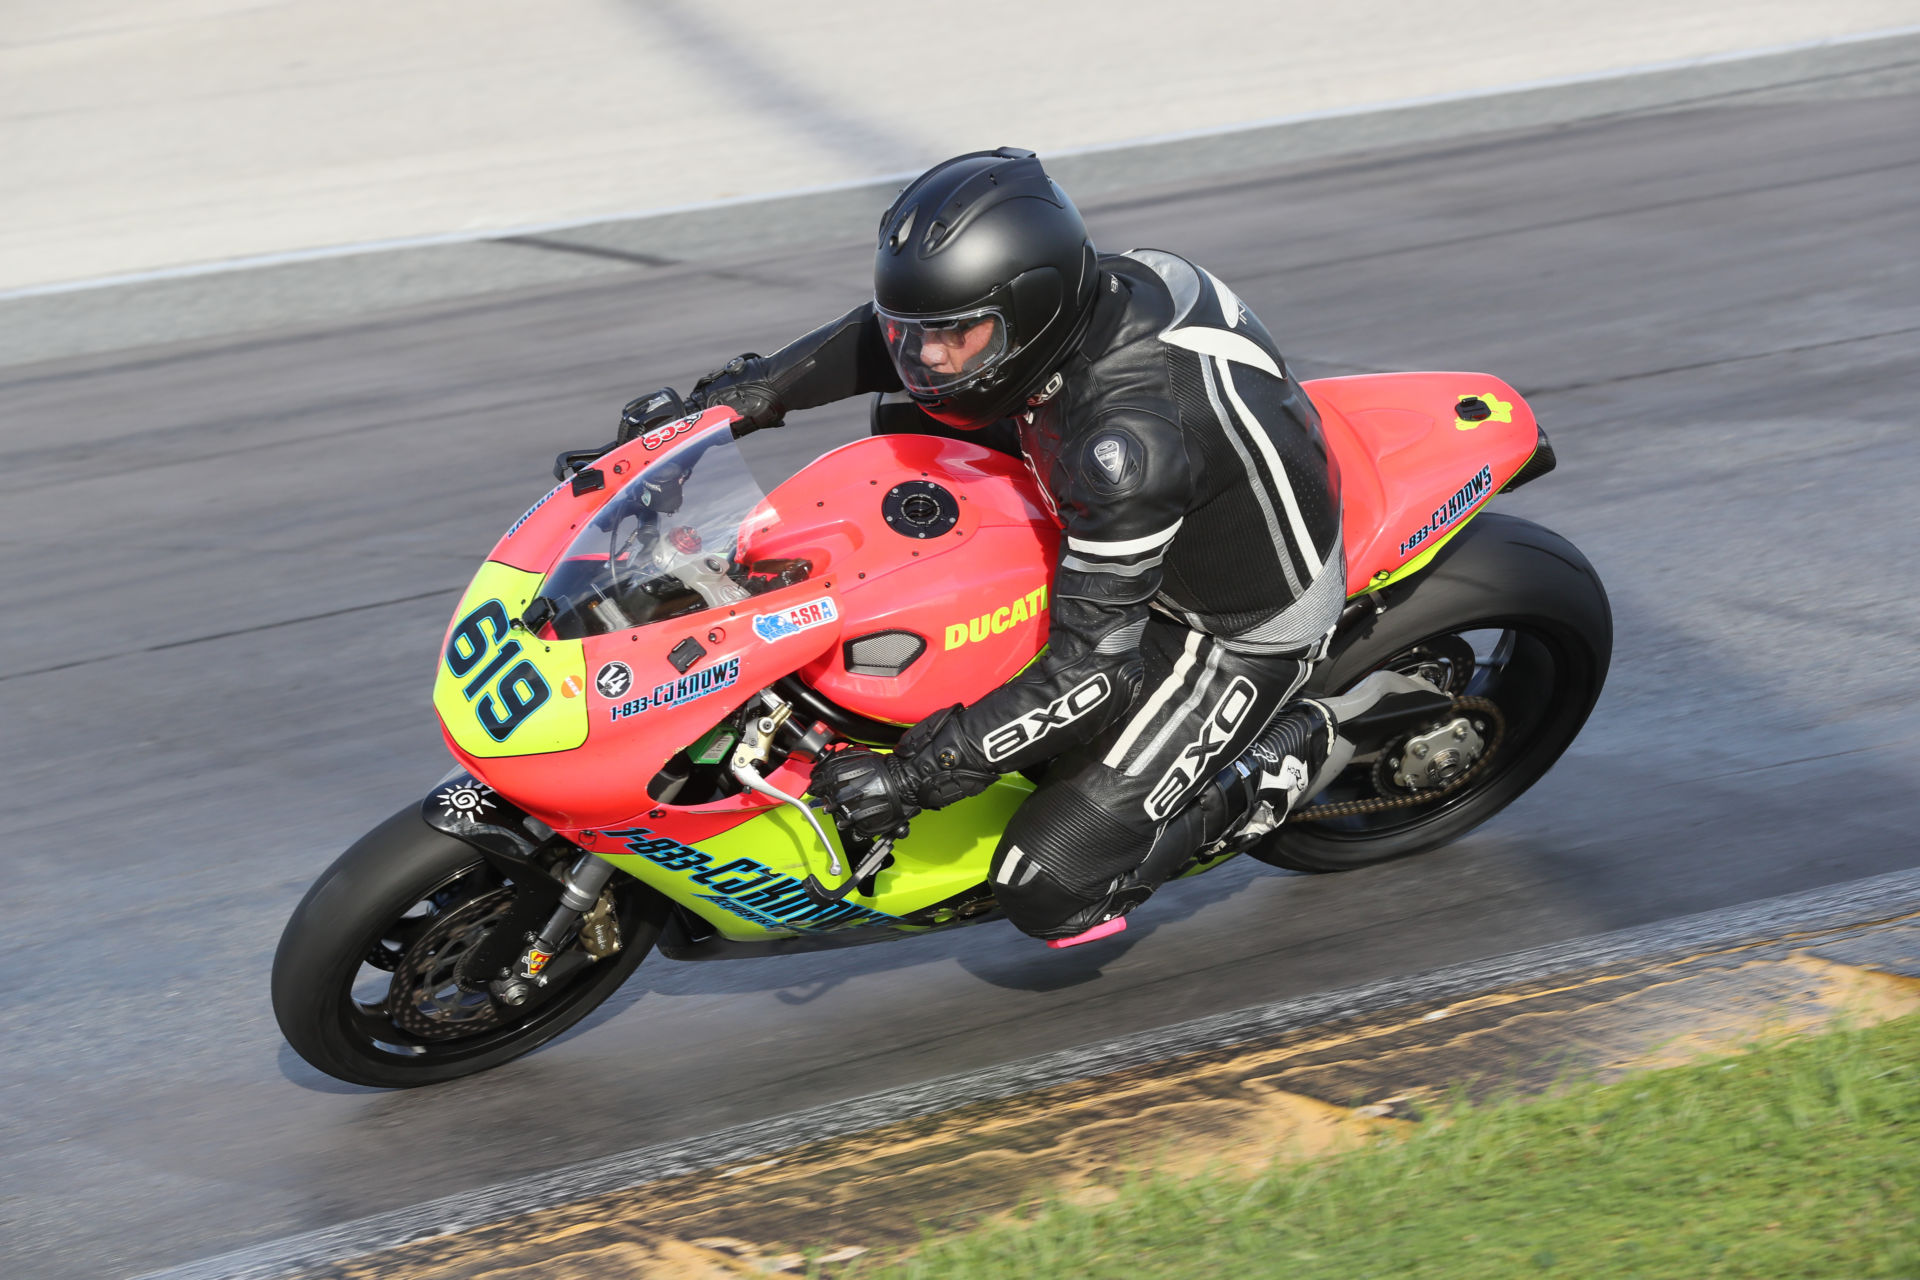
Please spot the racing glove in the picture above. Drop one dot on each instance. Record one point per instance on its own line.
(874, 794)
(868, 793)
(744, 384)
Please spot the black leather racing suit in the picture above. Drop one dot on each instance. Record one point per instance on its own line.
(1200, 572)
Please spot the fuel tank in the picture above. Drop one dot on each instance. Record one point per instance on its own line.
(946, 597)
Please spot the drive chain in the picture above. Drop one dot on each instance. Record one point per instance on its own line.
(1354, 808)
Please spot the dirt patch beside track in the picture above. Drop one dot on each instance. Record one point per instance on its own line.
(1292, 1096)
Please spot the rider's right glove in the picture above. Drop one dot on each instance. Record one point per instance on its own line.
(867, 792)
(742, 385)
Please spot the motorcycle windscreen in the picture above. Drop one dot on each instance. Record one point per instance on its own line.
(667, 543)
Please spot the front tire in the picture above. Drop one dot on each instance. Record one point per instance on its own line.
(1509, 611)
(407, 901)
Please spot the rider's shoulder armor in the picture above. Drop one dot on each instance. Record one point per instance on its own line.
(1229, 447)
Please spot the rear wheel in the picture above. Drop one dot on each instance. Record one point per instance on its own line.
(372, 981)
(1509, 612)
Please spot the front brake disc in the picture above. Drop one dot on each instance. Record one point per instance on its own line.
(426, 997)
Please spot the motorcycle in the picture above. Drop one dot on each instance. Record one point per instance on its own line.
(638, 680)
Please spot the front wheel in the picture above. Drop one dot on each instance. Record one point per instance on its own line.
(1509, 612)
(368, 981)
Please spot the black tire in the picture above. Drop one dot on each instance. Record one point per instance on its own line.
(1500, 574)
(362, 900)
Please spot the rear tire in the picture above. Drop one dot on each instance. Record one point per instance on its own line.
(1500, 575)
(395, 883)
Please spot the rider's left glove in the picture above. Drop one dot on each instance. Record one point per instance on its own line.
(742, 385)
(868, 793)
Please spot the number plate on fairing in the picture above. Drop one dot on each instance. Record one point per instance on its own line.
(502, 691)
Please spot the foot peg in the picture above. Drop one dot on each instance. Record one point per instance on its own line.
(1370, 715)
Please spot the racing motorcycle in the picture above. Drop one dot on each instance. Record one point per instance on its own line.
(640, 677)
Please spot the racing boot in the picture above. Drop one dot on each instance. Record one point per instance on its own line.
(1300, 753)
(1243, 802)
(1305, 748)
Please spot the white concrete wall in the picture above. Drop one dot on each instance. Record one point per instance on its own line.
(165, 132)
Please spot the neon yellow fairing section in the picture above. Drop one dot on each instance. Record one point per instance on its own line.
(948, 852)
(557, 723)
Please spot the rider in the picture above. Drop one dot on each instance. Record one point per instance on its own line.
(1201, 572)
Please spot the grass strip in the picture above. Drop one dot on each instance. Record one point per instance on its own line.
(1800, 1158)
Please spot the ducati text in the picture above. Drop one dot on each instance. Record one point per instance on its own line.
(1005, 618)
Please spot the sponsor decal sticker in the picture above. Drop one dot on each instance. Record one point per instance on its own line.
(1038, 723)
(528, 514)
(536, 961)
(1468, 496)
(663, 435)
(1196, 760)
(694, 684)
(791, 622)
(1005, 618)
(466, 800)
(614, 680)
(745, 888)
(571, 687)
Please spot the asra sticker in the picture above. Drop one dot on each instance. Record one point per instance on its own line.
(659, 436)
(1451, 510)
(748, 889)
(1195, 761)
(1031, 727)
(694, 684)
(1005, 618)
(791, 622)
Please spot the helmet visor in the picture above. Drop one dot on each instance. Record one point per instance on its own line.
(940, 354)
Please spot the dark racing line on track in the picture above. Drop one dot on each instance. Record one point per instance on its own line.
(169, 802)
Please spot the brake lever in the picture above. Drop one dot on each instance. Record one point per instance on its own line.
(870, 866)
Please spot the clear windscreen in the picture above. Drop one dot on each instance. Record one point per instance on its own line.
(667, 543)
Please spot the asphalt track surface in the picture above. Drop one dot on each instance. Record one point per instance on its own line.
(228, 567)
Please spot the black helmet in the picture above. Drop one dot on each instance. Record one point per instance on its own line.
(983, 280)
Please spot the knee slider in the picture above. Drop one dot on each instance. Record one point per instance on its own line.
(1061, 857)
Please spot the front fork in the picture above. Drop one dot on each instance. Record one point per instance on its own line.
(579, 893)
(522, 848)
